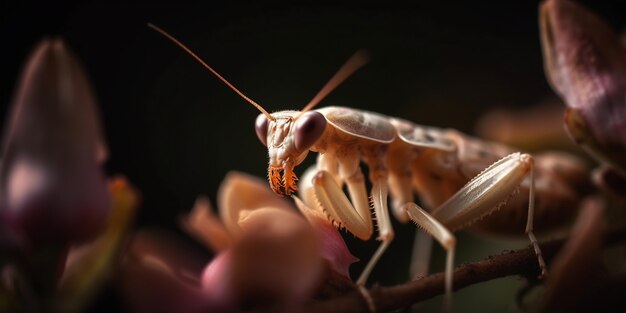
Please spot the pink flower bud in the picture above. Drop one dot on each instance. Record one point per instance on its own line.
(585, 63)
(52, 188)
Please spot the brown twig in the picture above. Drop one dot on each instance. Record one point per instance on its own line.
(521, 262)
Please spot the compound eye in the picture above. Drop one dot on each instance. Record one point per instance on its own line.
(309, 128)
(261, 128)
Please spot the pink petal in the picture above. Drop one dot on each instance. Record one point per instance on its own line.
(276, 261)
(334, 248)
(240, 191)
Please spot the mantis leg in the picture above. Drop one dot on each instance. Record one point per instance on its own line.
(420, 256)
(401, 189)
(354, 215)
(433, 227)
(385, 230)
(479, 197)
(490, 190)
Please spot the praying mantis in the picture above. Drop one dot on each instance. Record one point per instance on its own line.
(459, 179)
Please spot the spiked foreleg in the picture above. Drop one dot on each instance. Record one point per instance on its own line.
(337, 206)
(385, 230)
(330, 197)
(380, 192)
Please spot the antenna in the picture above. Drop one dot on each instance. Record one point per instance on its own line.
(181, 45)
(355, 62)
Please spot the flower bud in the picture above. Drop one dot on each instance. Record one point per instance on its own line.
(52, 187)
(585, 63)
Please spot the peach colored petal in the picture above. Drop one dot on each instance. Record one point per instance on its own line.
(205, 226)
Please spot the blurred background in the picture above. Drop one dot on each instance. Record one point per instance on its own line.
(175, 130)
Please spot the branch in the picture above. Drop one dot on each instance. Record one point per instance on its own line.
(521, 262)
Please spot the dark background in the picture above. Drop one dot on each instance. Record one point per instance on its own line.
(174, 130)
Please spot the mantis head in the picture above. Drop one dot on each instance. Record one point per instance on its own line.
(288, 135)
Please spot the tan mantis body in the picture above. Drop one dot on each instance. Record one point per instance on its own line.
(462, 178)
(459, 179)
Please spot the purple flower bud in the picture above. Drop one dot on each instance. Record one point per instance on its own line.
(585, 63)
(51, 184)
